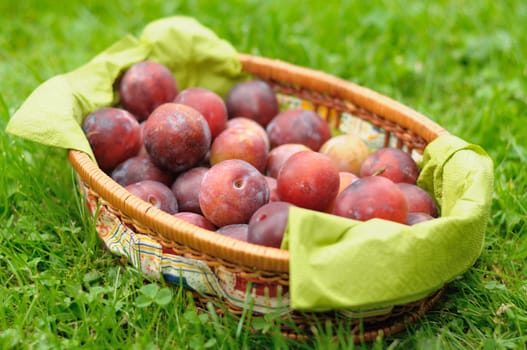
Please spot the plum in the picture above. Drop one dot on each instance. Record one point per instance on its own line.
(155, 193)
(140, 168)
(268, 223)
(278, 155)
(273, 191)
(392, 163)
(347, 151)
(242, 122)
(145, 86)
(176, 137)
(308, 179)
(372, 197)
(240, 143)
(231, 191)
(417, 217)
(253, 99)
(114, 136)
(142, 150)
(418, 199)
(186, 188)
(195, 219)
(346, 178)
(298, 125)
(209, 104)
(236, 231)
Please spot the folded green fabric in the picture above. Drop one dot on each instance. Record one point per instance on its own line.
(340, 263)
(53, 113)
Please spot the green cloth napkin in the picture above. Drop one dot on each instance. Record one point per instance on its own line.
(53, 113)
(342, 263)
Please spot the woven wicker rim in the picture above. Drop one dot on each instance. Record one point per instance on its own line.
(252, 257)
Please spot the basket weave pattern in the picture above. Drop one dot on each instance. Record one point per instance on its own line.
(335, 100)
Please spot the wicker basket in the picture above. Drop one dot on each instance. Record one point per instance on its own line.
(158, 243)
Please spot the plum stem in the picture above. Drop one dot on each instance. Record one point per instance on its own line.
(379, 172)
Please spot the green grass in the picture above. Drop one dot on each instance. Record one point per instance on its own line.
(462, 64)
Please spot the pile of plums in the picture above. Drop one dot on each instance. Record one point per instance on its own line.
(236, 164)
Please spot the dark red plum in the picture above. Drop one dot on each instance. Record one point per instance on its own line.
(240, 143)
(273, 188)
(145, 86)
(278, 156)
(155, 193)
(298, 126)
(209, 104)
(195, 219)
(176, 137)
(253, 99)
(346, 179)
(114, 136)
(231, 191)
(242, 122)
(418, 199)
(308, 179)
(372, 197)
(236, 231)
(392, 163)
(186, 188)
(140, 168)
(417, 217)
(268, 223)
(142, 150)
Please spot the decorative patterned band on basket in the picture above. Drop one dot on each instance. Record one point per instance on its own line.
(221, 268)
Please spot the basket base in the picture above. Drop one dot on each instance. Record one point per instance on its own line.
(301, 326)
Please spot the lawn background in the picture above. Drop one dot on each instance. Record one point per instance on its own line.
(463, 64)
